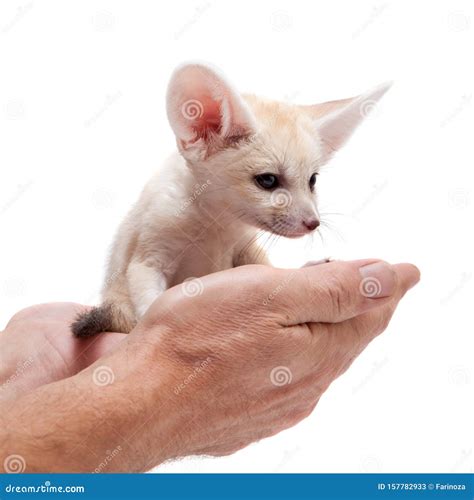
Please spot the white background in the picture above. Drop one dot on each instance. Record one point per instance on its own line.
(82, 127)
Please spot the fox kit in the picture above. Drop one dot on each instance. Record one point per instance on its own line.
(244, 164)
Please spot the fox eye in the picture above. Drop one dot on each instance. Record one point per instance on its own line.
(312, 181)
(267, 181)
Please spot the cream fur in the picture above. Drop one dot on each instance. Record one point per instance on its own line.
(202, 211)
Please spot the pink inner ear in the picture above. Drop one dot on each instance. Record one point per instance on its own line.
(201, 105)
(210, 119)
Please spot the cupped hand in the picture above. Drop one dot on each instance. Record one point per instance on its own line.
(37, 347)
(251, 350)
(215, 364)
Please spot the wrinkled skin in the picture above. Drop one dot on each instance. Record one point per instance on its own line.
(39, 339)
(248, 356)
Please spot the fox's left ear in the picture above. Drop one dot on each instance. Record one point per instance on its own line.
(205, 112)
(337, 120)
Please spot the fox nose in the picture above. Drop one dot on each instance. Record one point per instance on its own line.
(311, 224)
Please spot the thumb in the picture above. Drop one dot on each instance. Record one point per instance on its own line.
(338, 290)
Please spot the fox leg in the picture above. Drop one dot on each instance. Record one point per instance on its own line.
(145, 284)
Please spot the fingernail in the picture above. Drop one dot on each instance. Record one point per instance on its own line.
(378, 280)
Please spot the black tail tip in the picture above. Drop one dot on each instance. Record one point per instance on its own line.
(92, 322)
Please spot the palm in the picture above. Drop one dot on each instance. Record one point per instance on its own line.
(38, 345)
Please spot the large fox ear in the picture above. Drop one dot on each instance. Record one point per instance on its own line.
(337, 120)
(205, 112)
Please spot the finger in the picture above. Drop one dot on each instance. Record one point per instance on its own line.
(338, 290)
(52, 311)
(409, 276)
(89, 350)
(317, 262)
(374, 322)
(353, 335)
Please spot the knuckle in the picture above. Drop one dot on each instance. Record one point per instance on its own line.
(361, 327)
(383, 322)
(297, 415)
(307, 411)
(339, 295)
(261, 276)
(368, 327)
(261, 270)
(27, 314)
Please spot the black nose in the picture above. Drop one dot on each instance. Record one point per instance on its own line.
(311, 224)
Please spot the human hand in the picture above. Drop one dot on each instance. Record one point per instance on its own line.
(252, 354)
(37, 348)
(214, 365)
